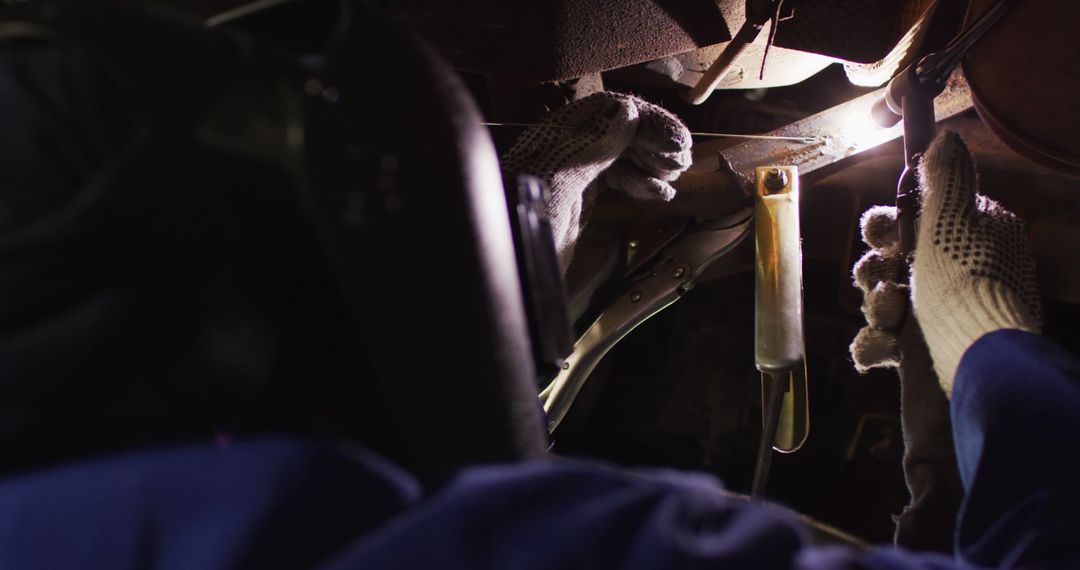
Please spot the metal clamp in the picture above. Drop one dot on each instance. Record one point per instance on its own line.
(674, 272)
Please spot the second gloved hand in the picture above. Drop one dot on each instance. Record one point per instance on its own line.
(885, 298)
(973, 272)
(606, 140)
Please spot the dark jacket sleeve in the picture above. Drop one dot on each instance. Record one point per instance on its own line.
(556, 515)
(1016, 408)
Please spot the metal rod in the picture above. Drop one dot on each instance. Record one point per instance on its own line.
(527, 125)
(722, 64)
(919, 130)
(770, 417)
(241, 11)
(809, 139)
(917, 106)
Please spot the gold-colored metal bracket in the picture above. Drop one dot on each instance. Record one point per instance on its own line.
(780, 348)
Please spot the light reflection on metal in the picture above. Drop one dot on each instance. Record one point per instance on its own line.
(843, 131)
(877, 73)
(858, 132)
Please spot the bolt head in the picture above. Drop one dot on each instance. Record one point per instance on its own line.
(775, 179)
(678, 273)
(635, 296)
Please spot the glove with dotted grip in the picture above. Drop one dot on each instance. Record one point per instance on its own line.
(973, 272)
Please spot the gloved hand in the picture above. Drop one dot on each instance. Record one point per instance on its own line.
(606, 140)
(878, 274)
(973, 272)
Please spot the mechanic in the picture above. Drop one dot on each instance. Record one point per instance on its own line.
(73, 131)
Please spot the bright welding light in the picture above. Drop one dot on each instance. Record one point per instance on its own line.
(859, 132)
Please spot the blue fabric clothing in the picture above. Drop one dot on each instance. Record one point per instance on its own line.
(1016, 424)
(281, 502)
(108, 357)
(270, 503)
(286, 503)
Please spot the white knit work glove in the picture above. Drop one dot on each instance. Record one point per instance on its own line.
(878, 274)
(606, 140)
(973, 271)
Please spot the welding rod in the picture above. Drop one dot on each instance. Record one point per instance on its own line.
(770, 415)
(807, 139)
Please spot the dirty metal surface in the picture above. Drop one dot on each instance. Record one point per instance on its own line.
(839, 132)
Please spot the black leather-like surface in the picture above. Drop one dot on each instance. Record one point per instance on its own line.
(412, 197)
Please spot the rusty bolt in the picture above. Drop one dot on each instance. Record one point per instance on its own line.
(775, 179)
